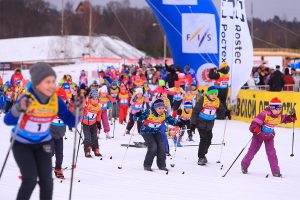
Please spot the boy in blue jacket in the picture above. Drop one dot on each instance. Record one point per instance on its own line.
(151, 120)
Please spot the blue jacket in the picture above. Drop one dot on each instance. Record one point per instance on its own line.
(63, 112)
(149, 130)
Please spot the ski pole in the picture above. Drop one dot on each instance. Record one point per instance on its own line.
(78, 147)
(121, 166)
(114, 128)
(13, 138)
(181, 133)
(223, 141)
(292, 155)
(237, 157)
(74, 151)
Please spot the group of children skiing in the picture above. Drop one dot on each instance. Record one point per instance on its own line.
(42, 114)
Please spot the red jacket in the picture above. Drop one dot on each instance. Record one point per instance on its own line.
(288, 80)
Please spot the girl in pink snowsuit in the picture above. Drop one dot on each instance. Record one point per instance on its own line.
(262, 128)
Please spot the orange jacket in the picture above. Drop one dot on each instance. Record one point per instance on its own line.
(91, 114)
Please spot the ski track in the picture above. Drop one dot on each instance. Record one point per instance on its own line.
(101, 179)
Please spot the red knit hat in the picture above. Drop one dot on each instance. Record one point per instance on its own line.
(275, 103)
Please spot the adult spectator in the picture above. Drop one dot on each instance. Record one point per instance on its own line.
(297, 81)
(288, 81)
(16, 78)
(276, 81)
(293, 72)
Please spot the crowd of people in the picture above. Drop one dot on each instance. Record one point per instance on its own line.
(162, 102)
(264, 78)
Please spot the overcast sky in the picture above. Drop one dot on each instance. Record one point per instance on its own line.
(264, 9)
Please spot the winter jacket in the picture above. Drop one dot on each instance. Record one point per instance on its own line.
(276, 81)
(152, 121)
(198, 114)
(267, 121)
(288, 80)
(35, 126)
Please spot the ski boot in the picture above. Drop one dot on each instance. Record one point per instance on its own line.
(87, 152)
(127, 132)
(244, 170)
(107, 136)
(59, 173)
(148, 169)
(202, 161)
(164, 169)
(190, 139)
(277, 175)
(97, 152)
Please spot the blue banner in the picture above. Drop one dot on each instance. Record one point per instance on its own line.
(192, 30)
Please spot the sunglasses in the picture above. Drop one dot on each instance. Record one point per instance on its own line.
(276, 107)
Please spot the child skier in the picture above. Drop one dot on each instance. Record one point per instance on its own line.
(152, 119)
(123, 98)
(184, 115)
(262, 128)
(90, 121)
(104, 101)
(136, 105)
(177, 98)
(203, 118)
(58, 130)
(113, 92)
(32, 149)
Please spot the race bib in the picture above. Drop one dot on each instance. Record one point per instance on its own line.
(91, 115)
(209, 111)
(36, 127)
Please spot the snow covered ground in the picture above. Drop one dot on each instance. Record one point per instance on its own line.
(57, 47)
(101, 179)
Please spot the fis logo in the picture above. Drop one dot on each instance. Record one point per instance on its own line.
(199, 33)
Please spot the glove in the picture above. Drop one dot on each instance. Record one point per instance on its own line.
(228, 114)
(98, 124)
(138, 114)
(256, 130)
(24, 103)
(180, 123)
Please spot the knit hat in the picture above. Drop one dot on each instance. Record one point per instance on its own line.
(158, 103)
(114, 84)
(275, 103)
(212, 90)
(94, 94)
(103, 89)
(40, 71)
(138, 91)
(122, 86)
(161, 83)
(187, 89)
(188, 104)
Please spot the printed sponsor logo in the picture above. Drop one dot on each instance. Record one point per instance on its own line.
(202, 74)
(199, 33)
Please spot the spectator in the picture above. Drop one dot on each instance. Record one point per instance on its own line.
(288, 80)
(16, 78)
(293, 72)
(297, 81)
(276, 81)
(251, 83)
